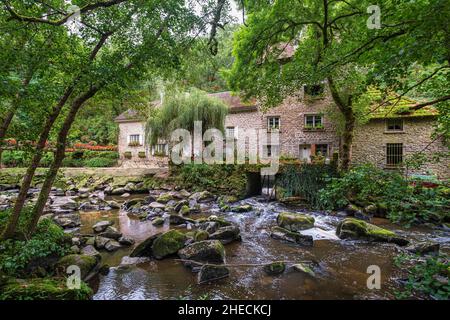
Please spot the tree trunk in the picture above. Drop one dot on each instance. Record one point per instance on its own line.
(346, 109)
(59, 156)
(26, 183)
(27, 179)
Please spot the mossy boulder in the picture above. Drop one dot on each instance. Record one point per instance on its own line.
(204, 196)
(226, 234)
(168, 243)
(209, 273)
(164, 198)
(86, 263)
(275, 268)
(294, 237)
(201, 235)
(144, 249)
(44, 289)
(303, 268)
(158, 221)
(355, 229)
(184, 210)
(295, 221)
(209, 251)
(242, 208)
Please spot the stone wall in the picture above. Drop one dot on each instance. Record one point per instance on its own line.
(370, 141)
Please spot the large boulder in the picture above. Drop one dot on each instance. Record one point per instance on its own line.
(86, 263)
(100, 242)
(168, 243)
(112, 245)
(164, 198)
(177, 220)
(295, 221)
(144, 249)
(111, 233)
(226, 234)
(294, 237)
(208, 251)
(89, 250)
(209, 273)
(68, 221)
(355, 229)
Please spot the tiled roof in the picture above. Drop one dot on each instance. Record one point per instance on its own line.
(128, 116)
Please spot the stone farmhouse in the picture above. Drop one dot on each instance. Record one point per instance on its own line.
(306, 129)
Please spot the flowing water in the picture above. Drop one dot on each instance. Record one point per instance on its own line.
(340, 266)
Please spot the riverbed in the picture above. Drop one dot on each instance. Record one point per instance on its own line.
(340, 267)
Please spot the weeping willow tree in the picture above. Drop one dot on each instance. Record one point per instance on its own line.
(180, 110)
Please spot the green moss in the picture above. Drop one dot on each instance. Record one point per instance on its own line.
(275, 268)
(164, 198)
(168, 243)
(184, 210)
(295, 221)
(201, 235)
(84, 262)
(44, 289)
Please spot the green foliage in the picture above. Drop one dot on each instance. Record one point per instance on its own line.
(226, 179)
(305, 180)
(429, 276)
(44, 289)
(99, 163)
(405, 202)
(48, 240)
(180, 110)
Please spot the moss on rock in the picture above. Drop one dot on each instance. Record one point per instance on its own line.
(86, 263)
(275, 268)
(295, 221)
(352, 228)
(168, 243)
(44, 289)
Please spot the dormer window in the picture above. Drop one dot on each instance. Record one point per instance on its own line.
(394, 125)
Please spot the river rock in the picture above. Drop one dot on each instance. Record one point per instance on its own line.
(178, 220)
(164, 198)
(113, 204)
(295, 237)
(209, 273)
(68, 221)
(69, 205)
(201, 235)
(158, 221)
(226, 234)
(274, 268)
(144, 249)
(180, 204)
(86, 263)
(424, 247)
(89, 250)
(100, 242)
(125, 195)
(126, 241)
(295, 221)
(112, 245)
(157, 205)
(303, 268)
(242, 208)
(204, 196)
(209, 251)
(209, 226)
(130, 187)
(102, 225)
(118, 191)
(168, 243)
(133, 203)
(111, 233)
(355, 229)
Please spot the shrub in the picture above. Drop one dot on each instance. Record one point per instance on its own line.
(100, 163)
(141, 155)
(127, 154)
(15, 158)
(428, 276)
(405, 202)
(48, 240)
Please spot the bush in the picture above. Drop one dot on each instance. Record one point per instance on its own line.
(141, 155)
(100, 162)
(127, 154)
(48, 240)
(15, 158)
(405, 202)
(428, 276)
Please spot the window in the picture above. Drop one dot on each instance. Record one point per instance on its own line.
(273, 123)
(322, 149)
(394, 154)
(160, 149)
(394, 124)
(230, 132)
(271, 150)
(135, 140)
(314, 90)
(314, 121)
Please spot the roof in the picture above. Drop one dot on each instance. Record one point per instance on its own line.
(128, 116)
(234, 103)
(394, 106)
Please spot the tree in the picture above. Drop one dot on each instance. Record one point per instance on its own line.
(180, 110)
(124, 37)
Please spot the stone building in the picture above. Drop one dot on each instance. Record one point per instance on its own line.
(306, 128)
